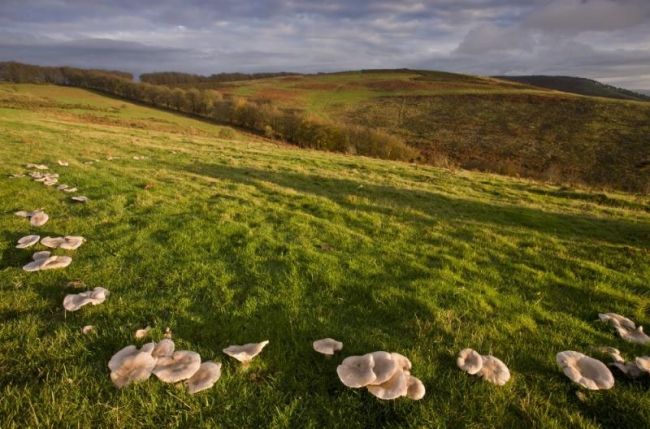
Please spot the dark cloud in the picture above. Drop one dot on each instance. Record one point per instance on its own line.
(605, 39)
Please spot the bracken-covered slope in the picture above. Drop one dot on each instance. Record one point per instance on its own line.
(228, 240)
(480, 123)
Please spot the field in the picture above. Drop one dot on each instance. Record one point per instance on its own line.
(480, 123)
(229, 239)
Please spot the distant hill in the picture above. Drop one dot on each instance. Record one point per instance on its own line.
(578, 85)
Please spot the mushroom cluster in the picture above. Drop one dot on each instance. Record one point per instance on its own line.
(74, 302)
(386, 375)
(488, 367)
(625, 327)
(634, 368)
(69, 242)
(131, 364)
(36, 217)
(48, 179)
(44, 260)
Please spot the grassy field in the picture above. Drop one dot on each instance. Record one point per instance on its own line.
(227, 240)
(480, 123)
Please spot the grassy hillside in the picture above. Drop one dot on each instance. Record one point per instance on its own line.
(480, 123)
(229, 240)
(578, 85)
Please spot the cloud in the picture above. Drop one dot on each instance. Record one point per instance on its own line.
(594, 38)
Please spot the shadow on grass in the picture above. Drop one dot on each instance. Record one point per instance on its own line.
(433, 206)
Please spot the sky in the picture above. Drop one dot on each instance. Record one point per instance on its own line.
(607, 40)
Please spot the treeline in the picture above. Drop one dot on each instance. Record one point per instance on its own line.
(260, 117)
(176, 78)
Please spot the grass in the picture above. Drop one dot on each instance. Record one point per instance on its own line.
(239, 240)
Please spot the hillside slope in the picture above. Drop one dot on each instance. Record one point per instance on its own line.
(227, 240)
(480, 123)
(578, 85)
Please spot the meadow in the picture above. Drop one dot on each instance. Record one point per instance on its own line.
(228, 238)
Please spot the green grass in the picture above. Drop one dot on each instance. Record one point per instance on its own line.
(241, 240)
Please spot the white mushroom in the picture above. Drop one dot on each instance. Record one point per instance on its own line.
(393, 388)
(27, 241)
(23, 213)
(416, 390)
(43, 254)
(164, 348)
(630, 369)
(80, 199)
(63, 163)
(469, 361)
(179, 366)
(633, 335)
(131, 365)
(585, 371)
(55, 262)
(52, 242)
(69, 190)
(38, 219)
(356, 371)
(141, 333)
(208, 374)
(402, 361)
(327, 346)
(612, 352)
(74, 302)
(245, 353)
(643, 363)
(62, 187)
(385, 366)
(616, 320)
(72, 242)
(88, 329)
(494, 370)
(39, 258)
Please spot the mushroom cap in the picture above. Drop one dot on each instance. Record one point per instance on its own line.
(588, 372)
(415, 390)
(356, 371)
(42, 255)
(164, 348)
(633, 335)
(88, 329)
(23, 213)
(56, 261)
(616, 320)
(80, 198)
(141, 333)
(62, 163)
(402, 361)
(630, 369)
(246, 352)
(70, 190)
(62, 187)
(179, 366)
(27, 241)
(72, 242)
(208, 374)
(494, 370)
(130, 365)
(39, 258)
(612, 352)
(52, 242)
(38, 219)
(643, 363)
(327, 346)
(74, 302)
(469, 361)
(385, 367)
(393, 388)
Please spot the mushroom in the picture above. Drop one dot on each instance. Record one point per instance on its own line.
(164, 348)
(245, 353)
(327, 346)
(63, 163)
(402, 361)
(469, 361)
(38, 219)
(72, 242)
(39, 259)
(168, 332)
(70, 190)
(141, 333)
(27, 241)
(494, 370)
(633, 335)
(356, 371)
(80, 199)
(616, 320)
(588, 372)
(393, 388)
(131, 365)
(415, 389)
(385, 366)
(54, 262)
(181, 365)
(643, 363)
(611, 352)
(52, 242)
(630, 369)
(62, 187)
(208, 374)
(88, 329)
(74, 302)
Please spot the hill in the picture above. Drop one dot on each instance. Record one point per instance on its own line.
(578, 85)
(228, 239)
(478, 123)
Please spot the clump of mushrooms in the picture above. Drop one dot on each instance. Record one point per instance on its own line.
(586, 371)
(327, 346)
(488, 367)
(36, 217)
(626, 328)
(245, 353)
(74, 302)
(69, 242)
(45, 261)
(385, 375)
